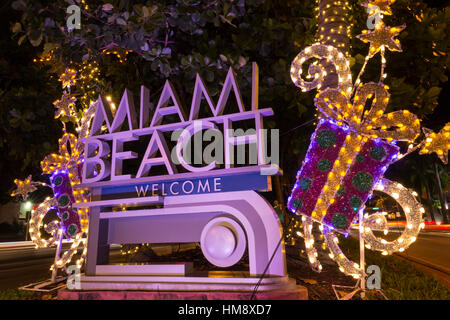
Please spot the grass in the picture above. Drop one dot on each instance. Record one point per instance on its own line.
(15, 294)
(399, 279)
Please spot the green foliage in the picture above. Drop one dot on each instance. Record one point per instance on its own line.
(193, 37)
(416, 75)
(27, 132)
(177, 39)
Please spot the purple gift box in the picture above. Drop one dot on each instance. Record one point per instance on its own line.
(319, 175)
(62, 189)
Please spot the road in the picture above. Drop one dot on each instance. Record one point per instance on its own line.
(22, 264)
(431, 254)
(432, 248)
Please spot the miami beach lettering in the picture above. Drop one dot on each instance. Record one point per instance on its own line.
(104, 147)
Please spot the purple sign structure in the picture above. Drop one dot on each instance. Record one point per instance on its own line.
(215, 204)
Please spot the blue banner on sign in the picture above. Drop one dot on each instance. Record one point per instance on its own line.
(176, 187)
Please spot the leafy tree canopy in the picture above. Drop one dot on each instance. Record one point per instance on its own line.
(146, 42)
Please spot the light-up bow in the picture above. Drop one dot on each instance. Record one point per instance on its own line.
(398, 125)
(65, 159)
(335, 102)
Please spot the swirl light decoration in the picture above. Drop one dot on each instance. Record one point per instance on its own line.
(351, 149)
(311, 251)
(413, 212)
(331, 54)
(37, 216)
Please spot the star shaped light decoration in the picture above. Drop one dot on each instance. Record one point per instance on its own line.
(64, 105)
(383, 5)
(68, 78)
(438, 143)
(24, 187)
(382, 37)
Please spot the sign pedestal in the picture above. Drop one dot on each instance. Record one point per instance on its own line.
(227, 224)
(300, 293)
(213, 285)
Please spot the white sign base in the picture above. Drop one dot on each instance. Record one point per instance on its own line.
(213, 281)
(226, 224)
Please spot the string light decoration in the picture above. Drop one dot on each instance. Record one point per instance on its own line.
(130, 251)
(332, 55)
(65, 105)
(120, 53)
(382, 37)
(45, 59)
(345, 265)
(437, 142)
(88, 80)
(85, 121)
(25, 187)
(64, 169)
(65, 198)
(413, 213)
(37, 216)
(335, 27)
(335, 24)
(64, 159)
(351, 149)
(383, 6)
(66, 166)
(311, 251)
(67, 78)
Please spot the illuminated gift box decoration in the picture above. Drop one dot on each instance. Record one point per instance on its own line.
(62, 189)
(65, 170)
(349, 152)
(329, 188)
(358, 145)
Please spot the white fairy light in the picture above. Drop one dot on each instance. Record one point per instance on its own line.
(413, 213)
(321, 51)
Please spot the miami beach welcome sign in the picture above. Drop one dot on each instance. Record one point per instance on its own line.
(202, 190)
(105, 152)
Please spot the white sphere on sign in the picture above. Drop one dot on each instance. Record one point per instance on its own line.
(220, 242)
(223, 241)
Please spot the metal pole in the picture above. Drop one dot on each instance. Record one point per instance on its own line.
(441, 194)
(27, 221)
(362, 262)
(58, 252)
